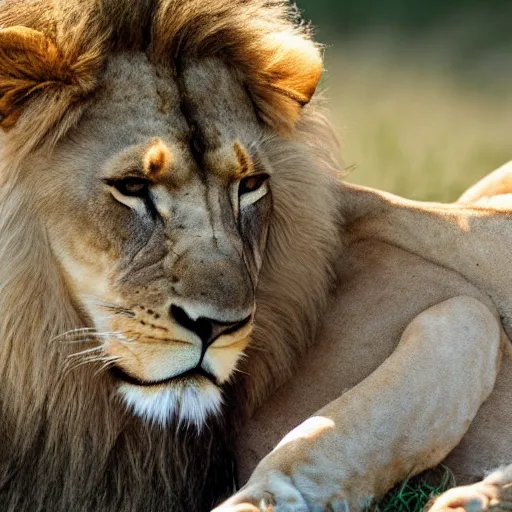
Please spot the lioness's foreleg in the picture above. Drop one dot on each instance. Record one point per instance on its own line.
(497, 183)
(402, 419)
(492, 493)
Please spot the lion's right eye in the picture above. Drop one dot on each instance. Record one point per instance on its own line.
(131, 187)
(252, 183)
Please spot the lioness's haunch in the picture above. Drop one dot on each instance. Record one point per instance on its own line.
(174, 236)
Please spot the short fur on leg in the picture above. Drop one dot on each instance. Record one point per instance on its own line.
(358, 446)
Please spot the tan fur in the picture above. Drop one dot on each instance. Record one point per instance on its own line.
(494, 190)
(157, 160)
(405, 302)
(246, 165)
(280, 64)
(67, 442)
(395, 248)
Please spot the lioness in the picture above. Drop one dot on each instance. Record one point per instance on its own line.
(174, 236)
(363, 438)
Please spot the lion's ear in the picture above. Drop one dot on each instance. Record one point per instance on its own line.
(291, 66)
(29, 64)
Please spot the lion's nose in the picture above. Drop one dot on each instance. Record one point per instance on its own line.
(208, 329)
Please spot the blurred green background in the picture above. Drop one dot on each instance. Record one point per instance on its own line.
(420, 92)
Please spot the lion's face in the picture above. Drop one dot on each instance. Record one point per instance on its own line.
(157, 209)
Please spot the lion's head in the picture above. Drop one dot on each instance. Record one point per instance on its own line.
(163, 210)
(167, 208)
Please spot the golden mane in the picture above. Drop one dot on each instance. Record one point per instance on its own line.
(66, 443)
(277, 58)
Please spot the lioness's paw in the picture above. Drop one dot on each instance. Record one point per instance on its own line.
(494, 493)
(276, 493)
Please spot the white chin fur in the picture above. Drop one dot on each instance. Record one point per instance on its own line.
(189, 404)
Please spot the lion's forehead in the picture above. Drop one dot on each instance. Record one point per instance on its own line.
(220, 106)
(203, 122)
(204, 100)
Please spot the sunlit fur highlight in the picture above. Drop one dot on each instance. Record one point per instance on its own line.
(277, 59)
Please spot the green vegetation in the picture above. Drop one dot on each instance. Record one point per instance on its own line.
(414, 494)
(410, 124)
(351, 16)
(423, 106)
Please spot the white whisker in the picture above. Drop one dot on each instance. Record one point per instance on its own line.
(106, 365)
(86, 351)
(71, 332)
(83, 340)
(236, 370)
(89, 360)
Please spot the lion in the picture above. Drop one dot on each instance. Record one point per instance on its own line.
(138, 140)
(179, 253)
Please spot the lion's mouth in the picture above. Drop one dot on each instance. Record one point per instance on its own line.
(192, 374)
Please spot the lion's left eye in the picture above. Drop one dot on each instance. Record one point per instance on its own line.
(131, 187)
(251, 183)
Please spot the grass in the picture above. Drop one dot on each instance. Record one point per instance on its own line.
(413, 123)
(414, 494)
